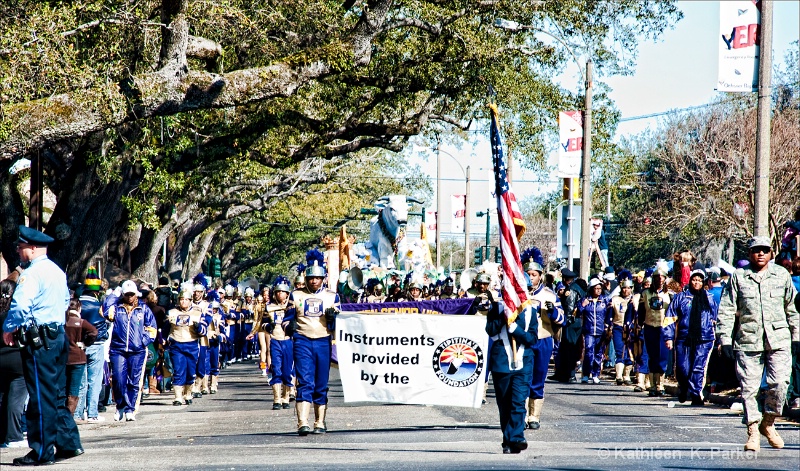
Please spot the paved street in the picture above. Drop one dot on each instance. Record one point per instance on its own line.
(584, 427)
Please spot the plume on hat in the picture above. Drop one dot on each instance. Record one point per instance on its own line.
(625, 274)
(212, 296)
(301, 268)
(532, 254)
(314, 255)
(281, 279)
(200, 278)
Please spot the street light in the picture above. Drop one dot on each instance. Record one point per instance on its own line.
(586, 193)
(624, 187)
(439, 151)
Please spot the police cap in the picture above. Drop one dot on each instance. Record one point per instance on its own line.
(31, 236)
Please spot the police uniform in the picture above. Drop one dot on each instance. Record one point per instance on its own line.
(512, 376)
(653, 306)
(312, 350)
(549, 320)
(281, 353)
(187, 328)
(134, 328)
(38, 307)
(622, 319)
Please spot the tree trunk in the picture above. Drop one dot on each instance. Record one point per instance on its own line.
(13, 214)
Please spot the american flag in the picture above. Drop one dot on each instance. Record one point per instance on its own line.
(512, 226)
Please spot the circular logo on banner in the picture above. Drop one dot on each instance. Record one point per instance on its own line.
(458, 362)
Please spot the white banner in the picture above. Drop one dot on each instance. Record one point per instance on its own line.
(570, 145)
(430, 220)
(739, 22)
(412, 358)
(458, 206)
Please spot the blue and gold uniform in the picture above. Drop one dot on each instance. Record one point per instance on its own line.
(653, 306)
(37, 315)
(622, 319)
(309, 319)
(187, 326)
(550, 316)
(281, 352)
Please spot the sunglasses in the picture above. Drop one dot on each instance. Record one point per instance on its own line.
(760, 250)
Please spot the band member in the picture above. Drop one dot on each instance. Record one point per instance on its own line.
(622, 319)
(550, 317)
(310, 321)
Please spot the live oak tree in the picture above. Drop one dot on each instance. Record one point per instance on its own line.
(178, 118)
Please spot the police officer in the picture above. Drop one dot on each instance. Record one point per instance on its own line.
(187, 326)
(309, 319)
(653, 305)
(511, 374)
(550, 316)
(689, 330)
(761, 297)
(622, 319)
(36, 317)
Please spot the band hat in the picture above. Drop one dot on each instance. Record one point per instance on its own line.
(30, 236)
(129, 286)
(626, 284)
(760, 241)
(185, 294)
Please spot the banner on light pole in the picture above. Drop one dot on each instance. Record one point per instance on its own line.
(570, 145)
(739, 24)
(458, 212)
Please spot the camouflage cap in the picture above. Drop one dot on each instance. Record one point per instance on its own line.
(760, 241)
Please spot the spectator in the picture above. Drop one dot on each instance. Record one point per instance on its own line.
(92, 384)
(134, 329)
(13, 393)
(80, 334)
(793, 397)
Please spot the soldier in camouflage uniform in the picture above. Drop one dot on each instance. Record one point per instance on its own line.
(762, 296)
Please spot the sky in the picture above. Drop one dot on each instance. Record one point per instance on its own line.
(677, 71)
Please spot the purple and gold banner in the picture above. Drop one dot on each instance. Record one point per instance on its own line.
(442, 306)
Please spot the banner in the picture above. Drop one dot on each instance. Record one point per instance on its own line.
(570, 145)
(458, 211)
(431, 220)
(412, 359)
(739, 49)
(441, 306)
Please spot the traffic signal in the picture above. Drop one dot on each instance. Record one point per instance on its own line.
(498, 256)
(216, 267)
(478, 255)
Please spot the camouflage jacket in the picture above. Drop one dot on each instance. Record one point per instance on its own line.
(765, 309)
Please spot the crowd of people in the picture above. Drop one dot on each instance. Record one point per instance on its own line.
(70, 353)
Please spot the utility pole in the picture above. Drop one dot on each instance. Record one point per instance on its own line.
(761, 199)
(466, 223)
(438, 204)
(586, 191)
